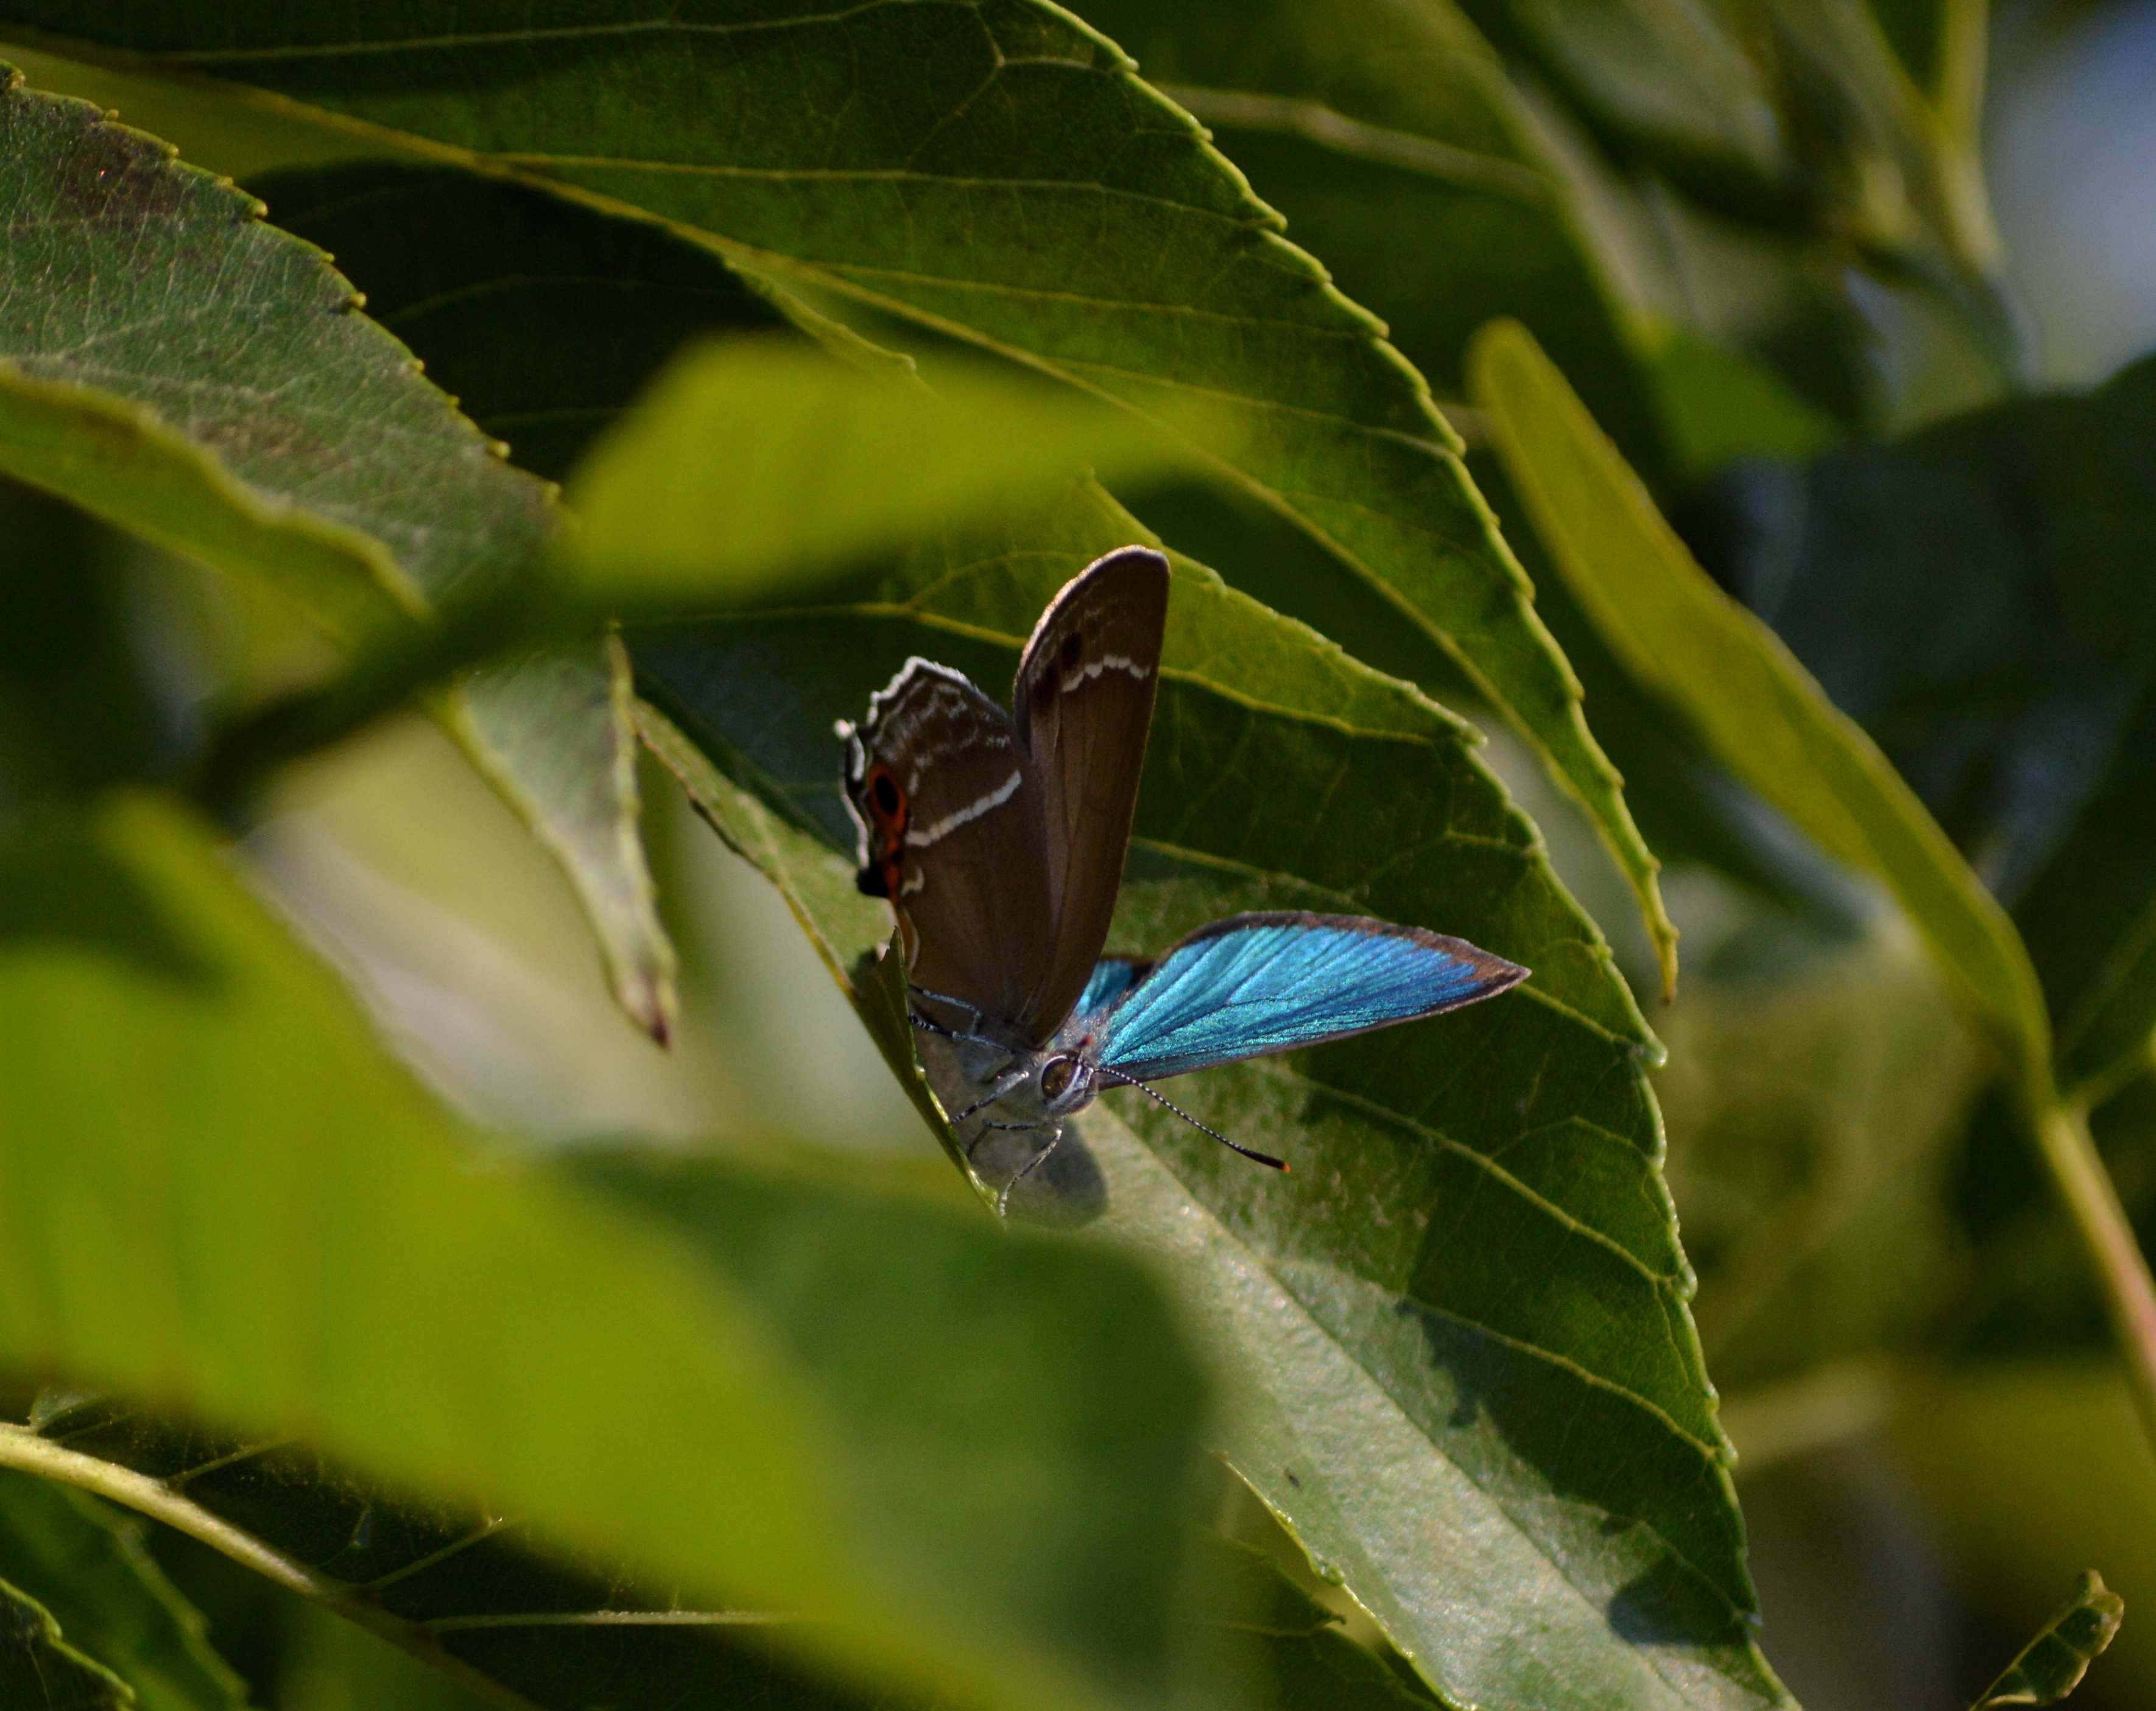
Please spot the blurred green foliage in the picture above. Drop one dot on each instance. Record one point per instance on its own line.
(852, 336)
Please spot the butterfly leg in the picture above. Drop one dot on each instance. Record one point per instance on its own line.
(972, 1014)
(1033, 1163)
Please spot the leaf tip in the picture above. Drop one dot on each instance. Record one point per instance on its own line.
(648, 1001)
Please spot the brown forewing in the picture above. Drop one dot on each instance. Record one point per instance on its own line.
(1083, 703)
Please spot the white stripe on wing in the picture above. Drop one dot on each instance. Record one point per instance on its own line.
(960, 816)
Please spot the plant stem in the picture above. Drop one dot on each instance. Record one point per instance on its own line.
(23, 1449)
(2122, 1275)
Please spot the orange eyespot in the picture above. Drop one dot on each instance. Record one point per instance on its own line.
(886, 801)
(888, 807)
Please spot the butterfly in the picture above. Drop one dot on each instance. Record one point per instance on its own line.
(999, 839)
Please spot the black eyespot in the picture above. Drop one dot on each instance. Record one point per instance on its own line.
(1055, 1076)
(871, 882)
(884, 794)
(1072, 648)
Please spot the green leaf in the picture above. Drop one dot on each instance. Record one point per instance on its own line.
(1361, 121)
(1722, 407)
(1942, 44)
(1672, 78)
(87, 1564)
(2051, 1665)
(324, 1656)
(40, 1672)
(1033, 1478)
(2090, 922)
(761, 464)
(1457, 1336)
(846, 928)
(476, 273)
(991, 1499)
(1693, 811)
(974, 196)
(2029, 726)
(476, 1598)
(236, 139)
(1757, 708)
(754, 464)
(204, 382)
(222, 1196)
(1781, 113)
(1306, 1661)
(1898, 171)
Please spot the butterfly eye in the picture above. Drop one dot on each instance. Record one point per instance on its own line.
(1056, 1077)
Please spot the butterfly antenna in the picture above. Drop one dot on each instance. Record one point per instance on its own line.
(1264, 1158)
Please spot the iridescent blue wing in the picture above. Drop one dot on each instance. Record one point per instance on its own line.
(1259, 983)
(1112, 977)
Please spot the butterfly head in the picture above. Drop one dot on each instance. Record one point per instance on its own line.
(1035, 1089)
(1064, 1082)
